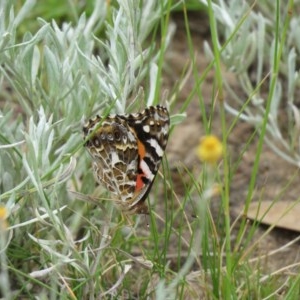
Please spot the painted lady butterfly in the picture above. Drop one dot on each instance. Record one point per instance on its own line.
(127, 151)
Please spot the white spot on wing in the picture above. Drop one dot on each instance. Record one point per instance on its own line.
(157, 147)
(114, 158)
(146, 170)
(146, 128)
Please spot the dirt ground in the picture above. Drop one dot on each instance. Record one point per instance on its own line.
(274, 172)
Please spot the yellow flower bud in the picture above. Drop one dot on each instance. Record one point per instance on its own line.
(3, 216)
(210, 149)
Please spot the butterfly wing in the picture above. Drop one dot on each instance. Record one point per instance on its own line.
(152, 130)
(113, 147)
(127, 151)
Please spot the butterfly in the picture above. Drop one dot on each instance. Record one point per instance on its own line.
(127, 150)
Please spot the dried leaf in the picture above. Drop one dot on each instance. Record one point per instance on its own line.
(283, 214)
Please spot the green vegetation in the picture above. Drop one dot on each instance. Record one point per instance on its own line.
(62, 62)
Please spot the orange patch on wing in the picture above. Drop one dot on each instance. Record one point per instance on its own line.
(141, 152)
(139, 182)
(141, 149)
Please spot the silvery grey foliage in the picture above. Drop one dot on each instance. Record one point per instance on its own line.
(51, 80)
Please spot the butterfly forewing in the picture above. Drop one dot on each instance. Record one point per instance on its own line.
(127, 151)
(152, 128)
